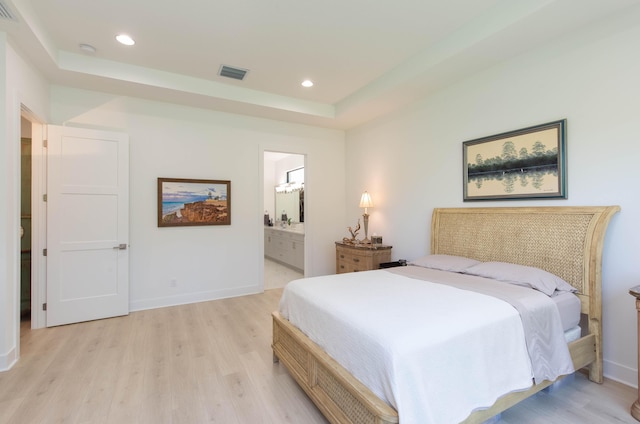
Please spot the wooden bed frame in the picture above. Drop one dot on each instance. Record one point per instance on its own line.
(566, 241)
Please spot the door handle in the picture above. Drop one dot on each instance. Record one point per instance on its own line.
(121, 246)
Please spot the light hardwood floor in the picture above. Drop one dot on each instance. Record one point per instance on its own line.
(209, 362)
(276, 276)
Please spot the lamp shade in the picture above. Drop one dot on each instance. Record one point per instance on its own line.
(365, 200)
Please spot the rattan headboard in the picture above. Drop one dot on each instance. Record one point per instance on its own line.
(566, 241)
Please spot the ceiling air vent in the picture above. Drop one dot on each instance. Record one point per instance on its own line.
(5, 12)
(231, 72)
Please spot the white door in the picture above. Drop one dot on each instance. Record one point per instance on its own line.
(87, 225)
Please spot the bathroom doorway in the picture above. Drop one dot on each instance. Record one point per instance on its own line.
(284, 218)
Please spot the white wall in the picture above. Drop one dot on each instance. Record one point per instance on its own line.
(269, 184)
(20, 84)
(173, 141)
(411, 162)
(7, 269)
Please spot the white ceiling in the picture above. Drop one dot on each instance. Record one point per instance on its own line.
(366, 57)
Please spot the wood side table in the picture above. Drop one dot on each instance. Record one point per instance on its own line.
(635, 408)
(360, 257)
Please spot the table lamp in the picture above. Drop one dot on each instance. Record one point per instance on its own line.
(366, 202)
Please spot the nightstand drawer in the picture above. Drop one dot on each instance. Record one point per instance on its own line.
(354, 258)
(353, 263)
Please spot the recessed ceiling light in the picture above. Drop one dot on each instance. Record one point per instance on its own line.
(307, 83)
(125, 39)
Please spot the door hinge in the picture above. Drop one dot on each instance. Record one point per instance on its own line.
(44, 197)
(45, 143)
(44, 252)
(44, 306)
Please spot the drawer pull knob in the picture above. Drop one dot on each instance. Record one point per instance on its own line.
(356, 260)
(341, 256)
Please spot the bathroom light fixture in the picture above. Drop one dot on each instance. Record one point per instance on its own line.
(125, 39)
(289, 187)
(366, 202)
(307, 83)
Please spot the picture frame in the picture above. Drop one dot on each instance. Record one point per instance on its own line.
(529, 163)
(191, 202)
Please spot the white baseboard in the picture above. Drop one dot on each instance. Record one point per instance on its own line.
(621, 373)
(8, 360)
(183, 299)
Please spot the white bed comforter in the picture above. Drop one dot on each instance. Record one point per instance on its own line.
(434, 352)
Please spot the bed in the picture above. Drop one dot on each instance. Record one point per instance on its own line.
(565, 241)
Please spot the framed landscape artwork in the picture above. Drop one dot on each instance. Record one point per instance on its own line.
(525, 164)
(186, 202)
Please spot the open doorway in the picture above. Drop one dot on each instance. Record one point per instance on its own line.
(284, 218)
(25, 222)
(31, 285)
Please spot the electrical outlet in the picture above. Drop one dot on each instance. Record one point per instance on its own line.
(173, 283)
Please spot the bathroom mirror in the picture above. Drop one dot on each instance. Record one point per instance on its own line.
(292, 203)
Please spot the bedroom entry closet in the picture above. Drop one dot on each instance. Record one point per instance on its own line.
(284, 218)
(25, 221)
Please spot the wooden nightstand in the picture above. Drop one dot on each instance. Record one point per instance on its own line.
(360, 257)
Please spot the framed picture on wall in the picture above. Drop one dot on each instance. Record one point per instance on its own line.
(186, 202)
(524, 164)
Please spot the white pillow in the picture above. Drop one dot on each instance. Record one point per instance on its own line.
(522, 275)
(445, 262)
